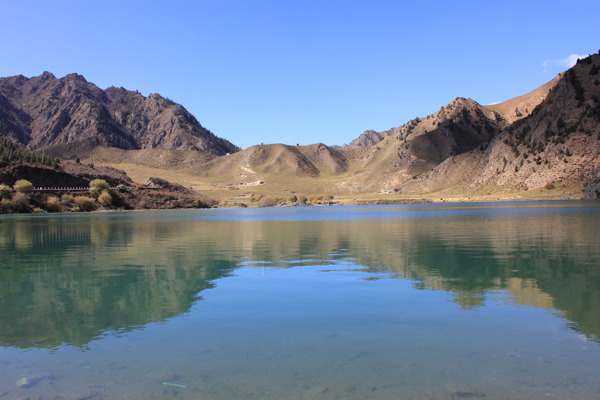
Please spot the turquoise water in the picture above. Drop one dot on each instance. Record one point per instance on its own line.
(500, 301)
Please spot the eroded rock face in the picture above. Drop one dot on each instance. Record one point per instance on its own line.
(559, 141)
(44, 111)
(591, 190)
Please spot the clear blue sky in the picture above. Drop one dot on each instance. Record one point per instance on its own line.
(301, 71)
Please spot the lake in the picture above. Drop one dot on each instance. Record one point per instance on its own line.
(429, 301)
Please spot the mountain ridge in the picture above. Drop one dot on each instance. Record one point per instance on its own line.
(545, 138)
(46, 112)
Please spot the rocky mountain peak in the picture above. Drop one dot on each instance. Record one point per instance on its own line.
(46, 112)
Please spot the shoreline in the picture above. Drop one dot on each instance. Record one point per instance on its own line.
(356, 202)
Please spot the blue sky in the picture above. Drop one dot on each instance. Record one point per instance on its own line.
(301, 71)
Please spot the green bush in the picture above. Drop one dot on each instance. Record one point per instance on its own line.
(5, 192)
(85, 203)
(23, 186)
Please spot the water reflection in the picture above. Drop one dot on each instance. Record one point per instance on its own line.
(69, 279)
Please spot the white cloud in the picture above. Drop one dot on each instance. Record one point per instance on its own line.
(565, 63)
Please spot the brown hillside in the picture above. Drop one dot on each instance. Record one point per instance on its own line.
(522, 106)
(558, 144)
(65, 114)
(464, 149)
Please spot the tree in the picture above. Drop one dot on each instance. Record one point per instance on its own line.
(23, 186)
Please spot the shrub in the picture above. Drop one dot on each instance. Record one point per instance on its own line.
(549, 186)
(85, 203)
(97, 186)
(105, 199)
(23, 186)
(266, 202)
(206, 202)
(53, 204)
(5, 192)
(5, 206)
(329, 197)
(20, 202)
(68, 198)
(302, 198)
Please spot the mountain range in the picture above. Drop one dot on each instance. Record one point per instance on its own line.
(67, 113)
(548, 139)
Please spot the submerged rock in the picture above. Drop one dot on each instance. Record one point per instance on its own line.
(23, 382)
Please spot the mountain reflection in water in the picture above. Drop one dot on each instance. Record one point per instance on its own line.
(67, 280)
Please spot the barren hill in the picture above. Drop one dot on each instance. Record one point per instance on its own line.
(463, 148)
(70, 115)
(558, 143)
(262, 162)
(522, 106)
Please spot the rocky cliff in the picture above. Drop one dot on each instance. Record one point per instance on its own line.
(68, 113)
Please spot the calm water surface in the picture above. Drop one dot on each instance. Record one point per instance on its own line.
(500, 301)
